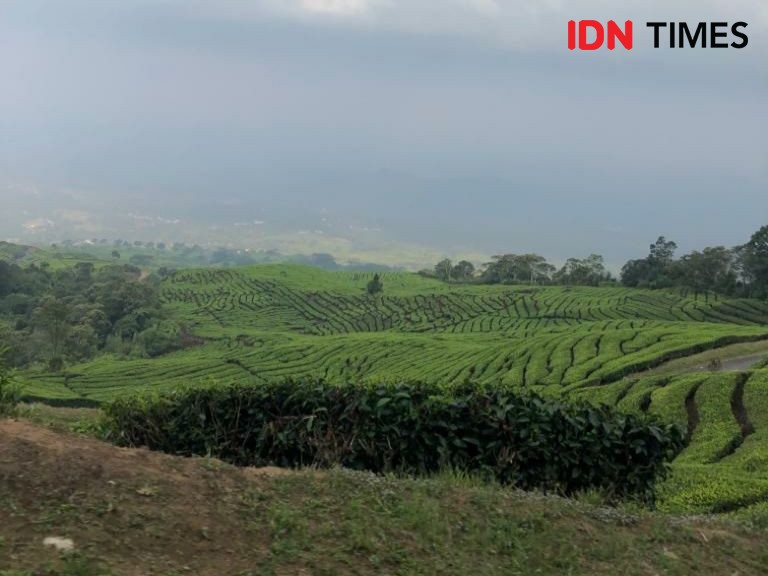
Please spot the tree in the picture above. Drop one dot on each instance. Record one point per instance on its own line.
(83, 272)
(712, 269)
(753, 262)
(654, 271)
(51, 318)
(10, 392)
(115, 254)
(662, 252)
(82, 342)
(375, 285)
(7, 273)
(141, 259)
(463, 271)
(527, 268)
(443, 270)
(588, 272)
(635, 273)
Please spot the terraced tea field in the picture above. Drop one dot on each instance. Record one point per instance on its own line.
(302, 300)
(272, 321)
(725, 466)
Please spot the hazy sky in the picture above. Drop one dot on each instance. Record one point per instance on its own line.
(462, 126)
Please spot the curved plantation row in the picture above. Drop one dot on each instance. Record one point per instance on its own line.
(555, 360)
(236, 299)
(725, 415)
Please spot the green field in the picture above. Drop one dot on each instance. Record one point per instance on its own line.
(265, 322)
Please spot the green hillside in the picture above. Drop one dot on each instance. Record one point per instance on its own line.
(266, 322)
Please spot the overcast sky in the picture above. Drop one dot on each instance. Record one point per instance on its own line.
(465, 126)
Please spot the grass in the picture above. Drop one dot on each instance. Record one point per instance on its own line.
(70, 565)
(77, 420)
(135, 512)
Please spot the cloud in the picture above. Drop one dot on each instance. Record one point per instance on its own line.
(409, 115)
(485, 7)
(335, 7)
(521, 23)
(38, 225)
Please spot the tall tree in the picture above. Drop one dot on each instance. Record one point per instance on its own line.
(523, 268)
(464, 270)
(662, 252)
(587, 272)
(712, 269)
(443, 269)
(654, 271)
(52, 319)
(753, 262)
(375, 285)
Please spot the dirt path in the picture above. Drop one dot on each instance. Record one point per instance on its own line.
(736, 357)
(742, 362)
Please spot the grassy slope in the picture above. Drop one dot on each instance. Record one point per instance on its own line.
(135, 512)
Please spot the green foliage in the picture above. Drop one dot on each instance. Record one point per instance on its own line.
(712, 269)
(375, 285)
(10, 391)
(753, 257)
(710, 489)
(652, 271)
(414, 428)
(69, 315)
(725, 465)
(446, 271)
(587, 272)
(717, 432)
(739, 271)
(518, 268)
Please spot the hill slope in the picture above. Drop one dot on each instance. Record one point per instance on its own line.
(271, 321)
(266, 322)
(138, 513)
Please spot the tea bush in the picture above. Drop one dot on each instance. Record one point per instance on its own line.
(413, 428)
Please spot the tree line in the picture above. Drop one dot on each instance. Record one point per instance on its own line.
(56, 317)
(741, 271)
(524, 269)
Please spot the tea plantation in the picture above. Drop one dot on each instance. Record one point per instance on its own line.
(265, 323)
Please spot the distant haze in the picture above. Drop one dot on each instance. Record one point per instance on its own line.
(390, 130)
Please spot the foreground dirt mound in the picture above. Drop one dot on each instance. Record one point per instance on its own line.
(140, 511)
(134, 512)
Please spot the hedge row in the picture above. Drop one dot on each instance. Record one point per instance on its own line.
(414, 428)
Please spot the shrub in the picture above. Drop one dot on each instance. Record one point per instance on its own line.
(375, 285)
(516, 439)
